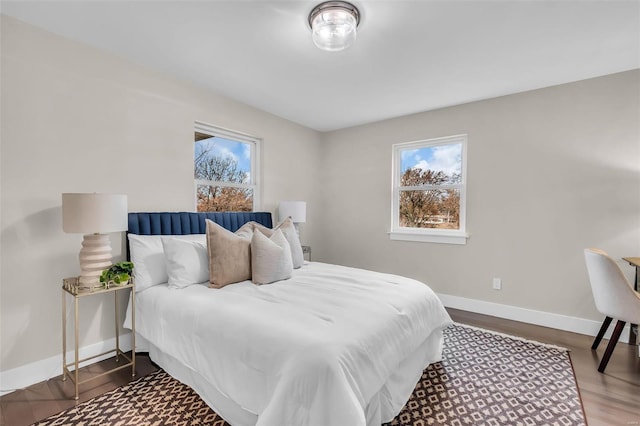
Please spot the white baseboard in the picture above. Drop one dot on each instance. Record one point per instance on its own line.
(545, 319)
(35, 372)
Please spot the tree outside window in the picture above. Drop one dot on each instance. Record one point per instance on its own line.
(224, 173)
(429, 187)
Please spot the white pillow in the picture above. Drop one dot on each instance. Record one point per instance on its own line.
(147, 255)
(270, 258)
(291, 234)
(187, 262)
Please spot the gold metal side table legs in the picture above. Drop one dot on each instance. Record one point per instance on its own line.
(75, 374)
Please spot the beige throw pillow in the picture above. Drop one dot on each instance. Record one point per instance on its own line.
(270, 258)
(229, 254)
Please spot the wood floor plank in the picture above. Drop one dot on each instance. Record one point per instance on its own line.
(26, 406)
(16, 409)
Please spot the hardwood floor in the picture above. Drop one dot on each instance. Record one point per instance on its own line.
(37, 402)
(609, 399)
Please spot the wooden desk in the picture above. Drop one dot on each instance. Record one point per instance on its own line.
(635, 262)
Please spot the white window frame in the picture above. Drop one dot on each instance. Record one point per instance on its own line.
(430, 235)
(254, 143)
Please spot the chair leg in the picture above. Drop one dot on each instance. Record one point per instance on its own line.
(612, 344)
(603, 329)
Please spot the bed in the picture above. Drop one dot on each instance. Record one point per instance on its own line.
(331, 345)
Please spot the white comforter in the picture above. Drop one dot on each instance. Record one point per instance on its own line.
(311, 350)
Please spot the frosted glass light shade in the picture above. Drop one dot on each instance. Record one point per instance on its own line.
(333, 25)
(297, 210)
(94, 215)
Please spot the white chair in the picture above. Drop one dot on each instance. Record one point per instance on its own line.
(614, 297)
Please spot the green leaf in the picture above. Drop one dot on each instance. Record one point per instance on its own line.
(121, 278)
(119, 272)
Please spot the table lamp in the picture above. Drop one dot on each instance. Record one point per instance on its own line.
(296, 210)
(94, 215)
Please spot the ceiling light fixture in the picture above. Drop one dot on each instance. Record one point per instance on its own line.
(334, 24)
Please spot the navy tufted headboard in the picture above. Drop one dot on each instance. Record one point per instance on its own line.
(181, 223)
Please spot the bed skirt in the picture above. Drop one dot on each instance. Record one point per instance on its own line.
(382, 408)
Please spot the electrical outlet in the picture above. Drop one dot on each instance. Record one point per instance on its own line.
(497, 284)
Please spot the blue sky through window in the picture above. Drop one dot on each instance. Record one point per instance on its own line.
(239, 151)
(445, 158)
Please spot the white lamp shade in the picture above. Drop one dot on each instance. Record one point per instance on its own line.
(297, 210)
(94, 213)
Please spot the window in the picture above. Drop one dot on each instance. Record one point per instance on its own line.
(225, 169)
(429, 187)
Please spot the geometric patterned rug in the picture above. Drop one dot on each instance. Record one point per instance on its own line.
(488, 378)
(153, 400)
(485, 378)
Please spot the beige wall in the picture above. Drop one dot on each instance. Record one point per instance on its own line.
(76, 119)
(550, 172)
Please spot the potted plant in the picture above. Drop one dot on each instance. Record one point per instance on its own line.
(117, 274)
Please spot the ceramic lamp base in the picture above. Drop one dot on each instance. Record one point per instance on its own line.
(95, 256)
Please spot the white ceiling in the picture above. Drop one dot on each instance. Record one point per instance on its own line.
(410, 56)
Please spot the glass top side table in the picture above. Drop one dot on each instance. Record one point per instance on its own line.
(71, 286)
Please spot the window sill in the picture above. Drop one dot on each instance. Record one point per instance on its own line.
(445, 237)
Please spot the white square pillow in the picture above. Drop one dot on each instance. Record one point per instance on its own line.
(270, 258)
(291, 234)
(187, 262)
(147, 255)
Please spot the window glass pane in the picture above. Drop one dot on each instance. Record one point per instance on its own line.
(438, 208)
(222, 199)
(222, 160)
(431, 165)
